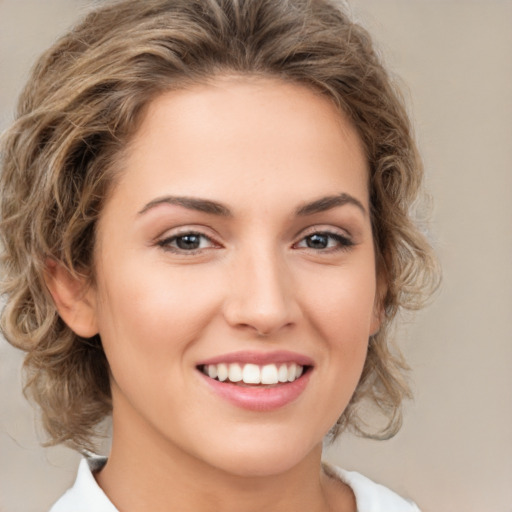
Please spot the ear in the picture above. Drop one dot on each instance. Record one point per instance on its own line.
(378, 316)
(74, 299)
(378, 306)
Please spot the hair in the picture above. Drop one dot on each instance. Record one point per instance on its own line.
(85, 100)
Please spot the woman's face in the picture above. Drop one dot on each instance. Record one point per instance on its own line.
(236, 245)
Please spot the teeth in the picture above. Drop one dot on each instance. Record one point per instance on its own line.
(212, 371)
(222, 371)
(282, 374)
(268, 374)
(235, 373)
(291, 372)
(251, 374)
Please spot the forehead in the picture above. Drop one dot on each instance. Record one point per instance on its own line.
(256, 136)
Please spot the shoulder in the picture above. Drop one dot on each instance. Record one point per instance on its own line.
(85, 495)
(370, 496)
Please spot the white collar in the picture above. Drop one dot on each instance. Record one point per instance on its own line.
(85, 495)
(373, 497)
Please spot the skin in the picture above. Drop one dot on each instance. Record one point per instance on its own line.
(263, 149)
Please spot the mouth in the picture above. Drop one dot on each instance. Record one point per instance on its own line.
(257, 382)
(251, 374)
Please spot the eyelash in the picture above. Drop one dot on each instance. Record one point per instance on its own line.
(166, 242)
(343, 243)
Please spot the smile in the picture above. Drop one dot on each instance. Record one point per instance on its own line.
(253, 374)
(260, 382)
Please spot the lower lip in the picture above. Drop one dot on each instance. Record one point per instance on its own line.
(256, 398)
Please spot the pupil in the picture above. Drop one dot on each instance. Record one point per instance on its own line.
(317, 241)
(188, 242)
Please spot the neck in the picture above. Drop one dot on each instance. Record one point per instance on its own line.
(144, 473)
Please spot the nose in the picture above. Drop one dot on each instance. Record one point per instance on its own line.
(261, 296)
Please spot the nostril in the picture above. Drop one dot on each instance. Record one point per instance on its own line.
(260, 302)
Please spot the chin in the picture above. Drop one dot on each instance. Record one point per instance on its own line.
(265, 457)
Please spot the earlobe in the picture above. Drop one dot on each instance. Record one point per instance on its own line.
(74, 300)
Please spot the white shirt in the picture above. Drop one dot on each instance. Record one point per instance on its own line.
(87, 496)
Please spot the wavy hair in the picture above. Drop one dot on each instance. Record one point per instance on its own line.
(83, 103)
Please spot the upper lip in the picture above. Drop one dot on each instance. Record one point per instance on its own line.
(259, 358)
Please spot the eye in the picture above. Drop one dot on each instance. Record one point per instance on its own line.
(324, 240)
(187, 242)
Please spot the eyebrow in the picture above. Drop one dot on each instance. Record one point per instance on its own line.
(214, 208)
(191, 203)
(326, 203)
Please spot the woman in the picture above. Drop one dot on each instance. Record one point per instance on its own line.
(205, 215)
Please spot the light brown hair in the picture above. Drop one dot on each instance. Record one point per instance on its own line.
(83, 103)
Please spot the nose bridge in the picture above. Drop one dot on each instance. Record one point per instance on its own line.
(261, 291)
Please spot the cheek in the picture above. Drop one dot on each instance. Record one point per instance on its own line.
(341, 322)
(147, 321)
(342, 304)
(341, 312)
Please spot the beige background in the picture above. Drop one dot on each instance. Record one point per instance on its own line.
(454, 453)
